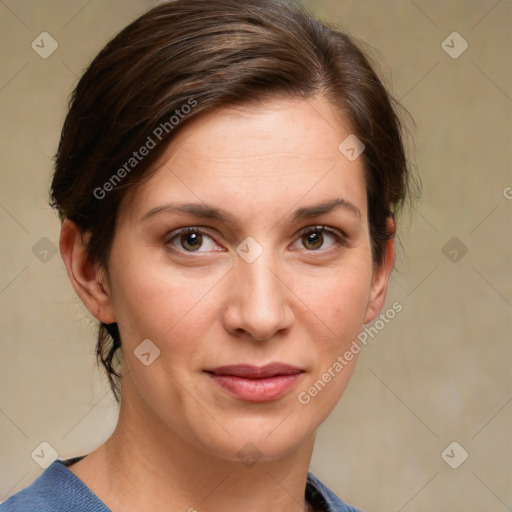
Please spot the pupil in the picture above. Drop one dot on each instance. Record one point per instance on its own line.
(315, 240)
(191, 241)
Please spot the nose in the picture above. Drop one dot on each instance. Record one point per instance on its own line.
(258, 301)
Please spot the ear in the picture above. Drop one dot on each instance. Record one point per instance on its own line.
(381, 275)
(88, 280)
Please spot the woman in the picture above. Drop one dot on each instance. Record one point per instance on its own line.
(227, 177)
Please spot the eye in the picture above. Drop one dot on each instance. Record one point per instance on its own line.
(319, 237)
(191, 239)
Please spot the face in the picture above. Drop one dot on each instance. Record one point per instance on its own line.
(248, 247)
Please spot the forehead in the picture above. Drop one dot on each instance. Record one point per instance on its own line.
(278, 128)
(259, 157)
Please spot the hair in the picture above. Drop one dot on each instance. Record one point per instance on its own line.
(184, 58)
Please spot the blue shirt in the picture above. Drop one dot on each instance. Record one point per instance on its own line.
(57, 489)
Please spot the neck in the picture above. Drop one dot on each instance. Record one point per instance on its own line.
(144, 466)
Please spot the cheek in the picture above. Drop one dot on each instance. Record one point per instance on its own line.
(340, 303)
(158, 302)
(176, 313)
(339, 298)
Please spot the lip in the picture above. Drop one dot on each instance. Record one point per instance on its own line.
(256, 383)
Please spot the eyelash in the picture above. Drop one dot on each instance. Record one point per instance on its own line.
(340, 238)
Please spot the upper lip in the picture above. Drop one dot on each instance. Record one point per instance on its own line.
(255, 372)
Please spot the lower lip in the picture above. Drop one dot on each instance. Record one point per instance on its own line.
(257, 390)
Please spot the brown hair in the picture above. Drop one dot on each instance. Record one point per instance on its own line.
(187, 57)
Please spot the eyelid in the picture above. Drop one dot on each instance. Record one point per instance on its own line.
(340, 236)
(183, 231)
(176, 233)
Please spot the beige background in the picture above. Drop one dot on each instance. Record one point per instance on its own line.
(439, 372)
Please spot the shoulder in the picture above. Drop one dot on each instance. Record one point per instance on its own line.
(322, 498)
(57, 489)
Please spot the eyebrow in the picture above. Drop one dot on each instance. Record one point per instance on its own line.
(327, 207)
(209, 212)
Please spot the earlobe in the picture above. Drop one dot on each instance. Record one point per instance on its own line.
(381, 275)
(86, 277)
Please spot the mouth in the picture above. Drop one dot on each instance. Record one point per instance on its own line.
(256, 384)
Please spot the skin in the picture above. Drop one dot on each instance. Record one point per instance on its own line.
(302, 303)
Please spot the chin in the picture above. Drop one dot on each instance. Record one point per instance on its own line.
(257, 441)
